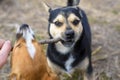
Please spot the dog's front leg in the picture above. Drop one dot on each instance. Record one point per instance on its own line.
(87, 76)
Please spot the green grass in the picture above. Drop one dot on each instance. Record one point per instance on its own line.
(103, 76)
(115, 12)
(13, 29)
(92, 20)
(118, 27)
(1, 27)
(39, 37)
(75, 76)
(96, 20)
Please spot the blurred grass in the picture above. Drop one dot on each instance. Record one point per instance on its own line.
(40, 37)
(94, 20)
(117, 27)
(116, 12)
(75, 76)
(103, 76)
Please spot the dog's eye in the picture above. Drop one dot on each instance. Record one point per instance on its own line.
(75, 22)
(58, 23)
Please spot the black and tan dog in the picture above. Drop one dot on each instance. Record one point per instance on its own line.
(74, 51)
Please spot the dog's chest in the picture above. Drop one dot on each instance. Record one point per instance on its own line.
(68, 63)
(65, 61)
(62, 66)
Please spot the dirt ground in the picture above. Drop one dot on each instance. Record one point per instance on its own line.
(104, 18)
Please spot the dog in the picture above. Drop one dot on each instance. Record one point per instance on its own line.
(73, 52)
(28, 61)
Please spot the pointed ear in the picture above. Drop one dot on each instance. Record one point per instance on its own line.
(73, 2)
(80, 12)
(47, 8)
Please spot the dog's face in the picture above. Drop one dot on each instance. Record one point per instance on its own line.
(24, 31)
(65, 23)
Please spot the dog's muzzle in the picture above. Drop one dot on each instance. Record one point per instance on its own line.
(68, 38)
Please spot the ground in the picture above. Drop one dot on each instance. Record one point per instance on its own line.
(104, 18)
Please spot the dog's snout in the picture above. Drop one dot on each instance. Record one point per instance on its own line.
(24, 26)
(69, 33)
(25, 32)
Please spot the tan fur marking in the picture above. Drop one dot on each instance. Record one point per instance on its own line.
(72, 17)
(60, 18)
(57, 31)
(77, 28)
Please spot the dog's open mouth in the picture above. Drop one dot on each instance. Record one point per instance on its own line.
(67, 42)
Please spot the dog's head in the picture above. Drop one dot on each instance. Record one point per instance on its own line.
(25, 32)
(65, 23)
(25, 39)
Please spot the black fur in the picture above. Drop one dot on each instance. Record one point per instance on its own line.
(82, 47)
(73, 2)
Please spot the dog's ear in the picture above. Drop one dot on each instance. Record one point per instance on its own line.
(80, 12)
(47, 8)
(73, 2)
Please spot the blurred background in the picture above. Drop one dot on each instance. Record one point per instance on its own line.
(104, 19)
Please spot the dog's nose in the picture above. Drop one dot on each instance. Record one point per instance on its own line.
(24, 26)
(25, 32)
(69, 33)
